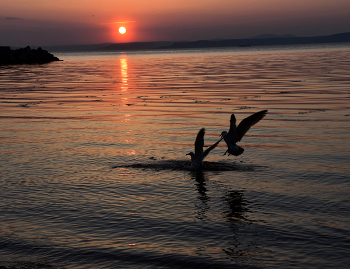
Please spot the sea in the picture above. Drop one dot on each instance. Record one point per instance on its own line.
(94, 171)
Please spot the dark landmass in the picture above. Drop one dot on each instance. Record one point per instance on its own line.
(138, 45)
(77, 48)
(272, 36)
(25, 56)
(260, 41)
(110, 46)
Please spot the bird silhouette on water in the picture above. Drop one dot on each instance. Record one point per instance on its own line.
(236, 133)
(199, 155)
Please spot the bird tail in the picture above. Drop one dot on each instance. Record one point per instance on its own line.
(240, 151)
(236, 151)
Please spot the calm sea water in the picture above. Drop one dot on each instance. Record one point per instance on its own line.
(94, 172)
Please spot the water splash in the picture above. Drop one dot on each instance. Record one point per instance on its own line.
(185, 165)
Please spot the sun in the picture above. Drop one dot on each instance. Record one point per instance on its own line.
(122, 30)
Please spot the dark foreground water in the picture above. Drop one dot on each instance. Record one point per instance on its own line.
(94, 172)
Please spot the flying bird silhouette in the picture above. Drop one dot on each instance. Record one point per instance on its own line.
(236, 133)
(198, 156)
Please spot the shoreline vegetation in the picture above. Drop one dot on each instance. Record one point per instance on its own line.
(25, 56)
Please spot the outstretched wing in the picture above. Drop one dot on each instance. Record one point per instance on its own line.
(232, 133)
(206, 152)
(248, 122)
(232, 125)
(199, 144)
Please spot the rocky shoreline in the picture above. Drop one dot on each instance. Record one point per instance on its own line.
(25, 56)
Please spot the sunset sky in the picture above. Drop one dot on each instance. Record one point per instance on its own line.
(67, 22)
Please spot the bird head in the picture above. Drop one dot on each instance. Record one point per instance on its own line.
(191, 154)
(223, 134)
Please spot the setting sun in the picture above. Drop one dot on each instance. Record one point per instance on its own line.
(122, 30)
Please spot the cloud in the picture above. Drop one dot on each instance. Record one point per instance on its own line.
(124, 21)
(12, 18)
(118, 22)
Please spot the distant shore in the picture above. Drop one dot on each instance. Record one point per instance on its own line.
(263, 40)
(344, 37)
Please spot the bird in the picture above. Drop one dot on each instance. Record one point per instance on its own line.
(199, 155)
(236, 133)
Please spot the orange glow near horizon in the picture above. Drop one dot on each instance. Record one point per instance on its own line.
(123, 31)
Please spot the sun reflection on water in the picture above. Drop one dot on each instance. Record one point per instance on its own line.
(132, 152)
(124, 73)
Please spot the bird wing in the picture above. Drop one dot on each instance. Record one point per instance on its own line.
(248, 122)
(199, 144)
(206, 152)
(232, 133)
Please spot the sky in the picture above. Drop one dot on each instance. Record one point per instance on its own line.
(76, 22)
